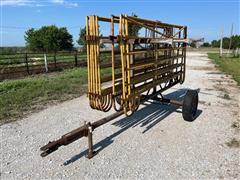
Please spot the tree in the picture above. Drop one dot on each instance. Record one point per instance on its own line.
(48, 38)
(133, 30)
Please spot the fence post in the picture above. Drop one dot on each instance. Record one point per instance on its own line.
(26, 61)
(236, 53)
(45, 61)
(76, 59)
(55, 61)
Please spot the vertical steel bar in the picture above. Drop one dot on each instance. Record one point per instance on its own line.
(113, 57)
(88, 55)
(184, 55)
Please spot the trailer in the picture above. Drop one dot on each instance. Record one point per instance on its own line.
(141, 67)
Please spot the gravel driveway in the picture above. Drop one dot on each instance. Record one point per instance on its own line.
(153, 143)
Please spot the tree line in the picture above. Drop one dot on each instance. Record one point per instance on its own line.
(226, 41)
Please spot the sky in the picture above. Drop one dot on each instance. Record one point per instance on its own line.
(204, 18)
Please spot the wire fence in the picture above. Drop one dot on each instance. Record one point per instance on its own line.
(23, 64)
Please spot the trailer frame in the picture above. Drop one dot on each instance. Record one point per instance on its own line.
(137, 75)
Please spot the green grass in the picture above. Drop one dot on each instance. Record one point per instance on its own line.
(20, 97)
(230, 65)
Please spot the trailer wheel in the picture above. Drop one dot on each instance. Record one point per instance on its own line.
(190, 104)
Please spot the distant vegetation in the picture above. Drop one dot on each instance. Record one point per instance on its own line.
(11, 50)
(226, 41)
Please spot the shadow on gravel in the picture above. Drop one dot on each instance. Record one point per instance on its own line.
(153, 112)
(148, 116)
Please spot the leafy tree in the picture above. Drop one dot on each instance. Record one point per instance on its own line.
(48, 38)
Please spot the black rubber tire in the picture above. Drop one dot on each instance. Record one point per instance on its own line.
(190, 104)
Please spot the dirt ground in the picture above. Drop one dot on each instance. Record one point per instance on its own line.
(153, 143)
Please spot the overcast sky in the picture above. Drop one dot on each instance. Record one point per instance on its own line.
(204, 18)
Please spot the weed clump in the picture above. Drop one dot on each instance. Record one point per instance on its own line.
(234, 143)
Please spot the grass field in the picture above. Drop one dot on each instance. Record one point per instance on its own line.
(230, 65)
(20, 97)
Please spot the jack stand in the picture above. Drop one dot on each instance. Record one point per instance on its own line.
(91, 153)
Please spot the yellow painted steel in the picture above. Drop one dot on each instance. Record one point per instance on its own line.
(134, 70)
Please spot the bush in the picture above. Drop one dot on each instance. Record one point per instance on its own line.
(49, 38)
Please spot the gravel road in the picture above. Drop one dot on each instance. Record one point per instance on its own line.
(153, 143)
